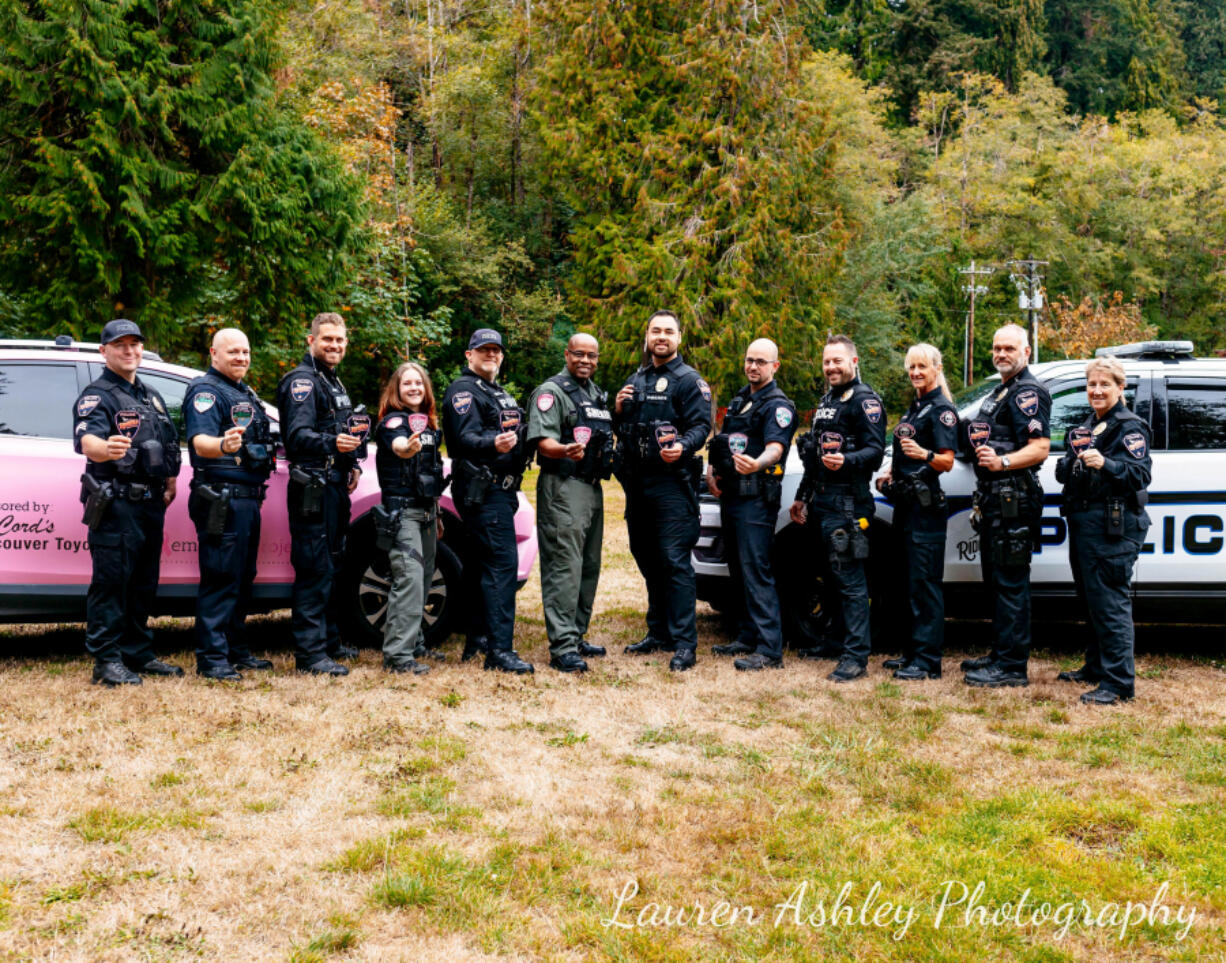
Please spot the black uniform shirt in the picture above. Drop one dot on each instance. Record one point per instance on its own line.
(932, 422)
(401, 476)
(1015, 414)
(208, 408)
(1124, 440)
(672, 393)
(767, 417)
(95, 412)
(850, 420)
(475, 412)
(314, 408)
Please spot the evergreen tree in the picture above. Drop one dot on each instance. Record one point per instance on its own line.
(145, 169)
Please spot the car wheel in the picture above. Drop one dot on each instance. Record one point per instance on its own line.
(806, 620)
(367, 579)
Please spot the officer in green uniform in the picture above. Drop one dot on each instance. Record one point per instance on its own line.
(569, 419)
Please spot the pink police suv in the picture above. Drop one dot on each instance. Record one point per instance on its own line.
(44, 558)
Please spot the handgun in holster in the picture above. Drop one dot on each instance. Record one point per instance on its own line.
(312, 483)
(98, 497)
(480, 478)
(219, 508)
(387, 527)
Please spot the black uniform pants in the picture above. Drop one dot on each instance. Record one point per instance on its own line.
(227, 572)
(317, 552)
(1102, 571)
(491, 574)
(924, 550)
(848, 574)
(748, 526)
(662, 520)
(1009, 585)
(126, 549)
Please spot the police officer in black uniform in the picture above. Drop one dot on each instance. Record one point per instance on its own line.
(1106, 471)
(663, 416)
(746, 474)
(323, 437)
(1009, 439)
(924, 444)
(132, 452)
(484, 429)
(845, 445)
(229, 439)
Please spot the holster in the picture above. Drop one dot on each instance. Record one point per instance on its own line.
(313, 483)
(480, 478)
(219, 508)
(98, 497)
(387, 526)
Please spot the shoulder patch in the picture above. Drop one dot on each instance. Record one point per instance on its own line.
(203, 401)
(1134, 441)
(545, 400)
(948, 418)
(705, 389)
(1028, 402)
(87, 404)
(300, 389)
(783, 416)
(462, 401)
(872, 409)
(394, 422)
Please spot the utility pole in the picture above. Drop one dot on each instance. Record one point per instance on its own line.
(1026, 277)
(973, 288)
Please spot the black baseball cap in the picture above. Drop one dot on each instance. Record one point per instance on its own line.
(120, 328)
(484, 336)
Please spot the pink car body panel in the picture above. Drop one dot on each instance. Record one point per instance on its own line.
(43, 541)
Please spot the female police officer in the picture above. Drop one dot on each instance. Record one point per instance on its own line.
(411, 476)
(924, 444)
(1106, 470)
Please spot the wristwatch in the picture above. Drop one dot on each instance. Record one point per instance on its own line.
(931, 455)
(1004, 462)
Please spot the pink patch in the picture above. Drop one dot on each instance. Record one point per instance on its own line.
(544, 401)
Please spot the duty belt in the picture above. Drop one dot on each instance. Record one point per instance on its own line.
(832, 488)
(398, 502)
(238, 491)
(140, 491)
(1022, 481)
(508, 483)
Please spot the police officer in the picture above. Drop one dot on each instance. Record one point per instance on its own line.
(1009, 438)
(663, 418)
(410, 466)
(746, 475)
(132, 452)
(485, 429)
(320, 431)
(230, 444)
(569, 419)
(845, 445)
(924, 445)
(1106, 471)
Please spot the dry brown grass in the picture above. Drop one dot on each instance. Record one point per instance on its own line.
(270, 819)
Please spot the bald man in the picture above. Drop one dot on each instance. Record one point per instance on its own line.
(569, 419)
(230, 443)
(746, 475)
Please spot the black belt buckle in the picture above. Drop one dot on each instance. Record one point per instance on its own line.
(138, 491)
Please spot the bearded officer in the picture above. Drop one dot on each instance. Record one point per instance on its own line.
(663, 417)
(568, 417)
(322, 435)
(746, 475)
(845, 445)
(1009, 438)
(132, 452)
(484, 429)
(229, 439)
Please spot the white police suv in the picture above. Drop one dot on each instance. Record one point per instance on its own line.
(1181, 573)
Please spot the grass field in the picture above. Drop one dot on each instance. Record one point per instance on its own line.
(466, 815)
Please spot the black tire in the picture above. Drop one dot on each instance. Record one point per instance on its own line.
(806, 620)
(367, 578)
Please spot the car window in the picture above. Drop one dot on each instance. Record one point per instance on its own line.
(172, 391)
(965, 398)
(36, 399)
(1196, 416)
(1070, 407)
